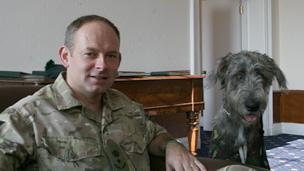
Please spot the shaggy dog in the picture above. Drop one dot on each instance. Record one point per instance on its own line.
(245, 79)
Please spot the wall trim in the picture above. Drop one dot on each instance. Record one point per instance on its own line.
(195, 37)
(268, 50)
(247, 42)
(288, 128)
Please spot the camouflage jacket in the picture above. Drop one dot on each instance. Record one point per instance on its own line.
(51, 130)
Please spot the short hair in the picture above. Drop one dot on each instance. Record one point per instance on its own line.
(79, 22)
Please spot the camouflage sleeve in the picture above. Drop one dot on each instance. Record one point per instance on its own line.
(152, 128)
(15, 140)
(6, 162)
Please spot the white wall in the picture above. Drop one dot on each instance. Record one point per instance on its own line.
(155, 34)
(288, 43)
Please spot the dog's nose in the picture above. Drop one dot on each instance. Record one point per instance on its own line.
(252, 105)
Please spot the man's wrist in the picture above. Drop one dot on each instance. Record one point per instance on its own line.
(170, 141)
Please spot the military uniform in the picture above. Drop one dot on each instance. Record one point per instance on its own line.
(51, 130)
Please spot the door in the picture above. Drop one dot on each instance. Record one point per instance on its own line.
(231, 26)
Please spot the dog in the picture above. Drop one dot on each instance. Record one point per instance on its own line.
(245, 80)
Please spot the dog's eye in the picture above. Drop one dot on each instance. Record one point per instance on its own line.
(240, 76)
(264, 77)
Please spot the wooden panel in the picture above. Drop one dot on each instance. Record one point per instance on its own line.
(277, 107)
(173, 95)
(288, 106)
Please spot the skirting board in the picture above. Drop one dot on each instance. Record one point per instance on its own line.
(288, 128)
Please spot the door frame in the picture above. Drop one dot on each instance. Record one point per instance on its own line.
(258, 12)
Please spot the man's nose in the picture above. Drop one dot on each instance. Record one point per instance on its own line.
(100, 63)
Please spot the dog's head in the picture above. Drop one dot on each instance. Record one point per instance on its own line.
(245, 79)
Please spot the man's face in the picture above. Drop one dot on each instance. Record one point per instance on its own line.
(93, 63)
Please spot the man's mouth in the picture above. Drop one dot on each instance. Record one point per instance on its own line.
(250, 117)
(99, 78)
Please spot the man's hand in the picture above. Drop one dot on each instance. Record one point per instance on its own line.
(179, 159)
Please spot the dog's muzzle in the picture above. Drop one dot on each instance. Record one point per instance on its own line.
(253, 107)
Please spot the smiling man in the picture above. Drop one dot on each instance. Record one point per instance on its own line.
(79, 122)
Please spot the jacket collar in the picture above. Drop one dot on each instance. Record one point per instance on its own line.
(64, 99)
(63, 94)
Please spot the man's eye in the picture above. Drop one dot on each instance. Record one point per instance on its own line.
(90, 54)
(112, 56)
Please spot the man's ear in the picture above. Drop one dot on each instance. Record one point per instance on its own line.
(119, 59)
(64, 54)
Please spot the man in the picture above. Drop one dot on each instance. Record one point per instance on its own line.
(79, 122)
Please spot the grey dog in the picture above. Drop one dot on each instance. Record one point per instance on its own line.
(245, 80)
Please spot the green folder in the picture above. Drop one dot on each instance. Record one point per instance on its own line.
(11, 74)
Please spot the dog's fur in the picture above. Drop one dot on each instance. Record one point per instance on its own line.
(245, 80)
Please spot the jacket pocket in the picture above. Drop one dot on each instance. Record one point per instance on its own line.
(135, 147)
(134, 144)
(72, 149)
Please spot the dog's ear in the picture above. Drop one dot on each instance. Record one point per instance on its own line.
(277, 72)
(222, 68)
